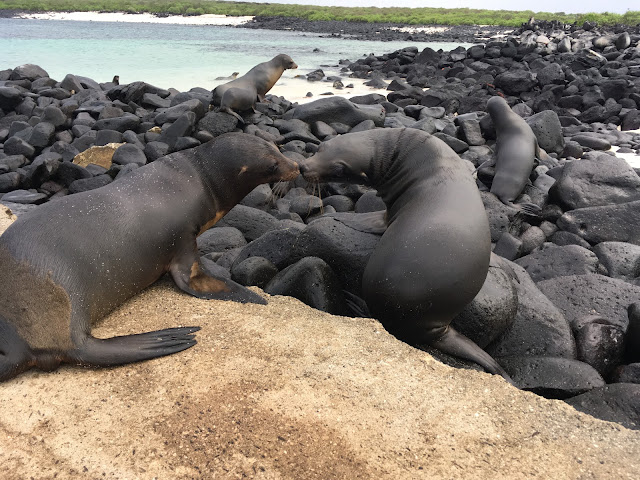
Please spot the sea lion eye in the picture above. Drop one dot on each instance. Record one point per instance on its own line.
(273, 168)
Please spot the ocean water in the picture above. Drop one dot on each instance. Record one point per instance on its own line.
(178, 56)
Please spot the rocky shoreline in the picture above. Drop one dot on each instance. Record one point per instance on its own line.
(381, 31)
(561, 306)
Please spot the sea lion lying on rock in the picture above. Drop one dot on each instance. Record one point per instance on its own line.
(68, 263)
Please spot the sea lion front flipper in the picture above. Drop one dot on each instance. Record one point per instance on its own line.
(190, 278)
(108, 352)
(370, 222)
(458, 345)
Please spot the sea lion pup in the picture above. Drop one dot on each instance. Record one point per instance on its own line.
(71, 261)
(516, 152)
(260, 78)
(433, 257)
(230, 77)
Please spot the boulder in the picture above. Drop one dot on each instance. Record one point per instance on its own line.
(552, 377)
(338, 109)
(616, 223)
(313, 282)
(582, 296)
(618, 402)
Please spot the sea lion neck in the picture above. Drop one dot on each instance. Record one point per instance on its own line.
(389, 172)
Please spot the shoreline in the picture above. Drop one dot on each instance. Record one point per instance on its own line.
(337, 29)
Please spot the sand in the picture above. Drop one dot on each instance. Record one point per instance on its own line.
(220, 20)
(284, 391)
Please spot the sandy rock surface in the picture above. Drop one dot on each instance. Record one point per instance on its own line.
(287, 392)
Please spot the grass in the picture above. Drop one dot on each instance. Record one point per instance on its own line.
(411, 16)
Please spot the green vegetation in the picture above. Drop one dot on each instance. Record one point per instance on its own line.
(412, 16)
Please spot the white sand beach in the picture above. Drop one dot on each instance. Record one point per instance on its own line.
(220, 20)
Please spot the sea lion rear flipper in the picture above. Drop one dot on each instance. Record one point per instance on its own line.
(487, 163)
(15, 354)
(529, 209)
(370, 222)
(107, 352)
(458, 345)
(190, 278)
(356, 304)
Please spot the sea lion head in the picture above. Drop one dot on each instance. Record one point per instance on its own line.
(346, 158)
(286, 61)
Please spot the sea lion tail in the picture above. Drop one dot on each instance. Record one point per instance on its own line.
(458, 345)
(15, 354)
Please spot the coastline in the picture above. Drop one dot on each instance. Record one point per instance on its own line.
(339, 29)
(215, 20)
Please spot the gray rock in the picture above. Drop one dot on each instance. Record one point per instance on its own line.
(552, 261)
(604, 223)
(220, 239)
(217, 123)
(582, 296)
(618, 402)
(338, 109)
(532, 238)
(129, 153)
(600, 344)
(539, 328)
(253, 271)
(547, 129)
(622, 260)
(85, 184)
(552, 377)
(492, 311)
(313, 282)
(252, 222)
(275, 245)
(591, 183)
(345, 249)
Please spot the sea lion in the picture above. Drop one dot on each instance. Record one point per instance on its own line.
(238, 99)
(433, 257)
(230, 77)
(71, 261)
(259, 79)
(516, 152)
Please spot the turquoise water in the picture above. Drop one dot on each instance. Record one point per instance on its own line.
(178, 56)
